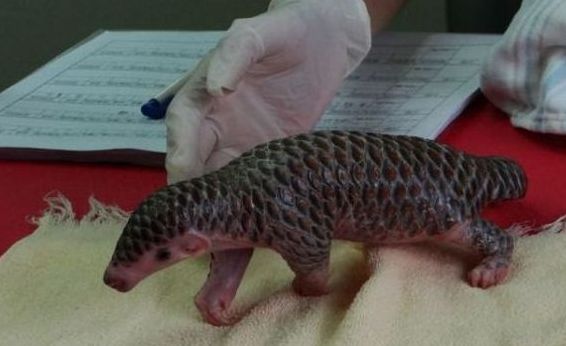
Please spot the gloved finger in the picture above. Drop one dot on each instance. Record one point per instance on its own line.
(183, 122)
(219, 159)
(248, 41)
(209, 139)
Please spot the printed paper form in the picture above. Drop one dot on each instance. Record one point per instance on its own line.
(90, 98)
(413, 84)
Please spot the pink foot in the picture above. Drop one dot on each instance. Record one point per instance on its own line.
(490, 272)
(217, 314)
(215, 297)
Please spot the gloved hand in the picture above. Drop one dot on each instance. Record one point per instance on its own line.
(526, 73)
(270, 76)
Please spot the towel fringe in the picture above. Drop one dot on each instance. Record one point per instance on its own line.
(521, 230)
(557, 226)
(100, 213)
(60, 211)
(526, 230)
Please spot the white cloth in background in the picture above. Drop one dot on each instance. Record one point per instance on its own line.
(525, 75)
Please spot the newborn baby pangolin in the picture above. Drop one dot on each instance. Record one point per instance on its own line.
(295, 195)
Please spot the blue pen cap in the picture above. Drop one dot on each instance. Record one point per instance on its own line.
(155, 109)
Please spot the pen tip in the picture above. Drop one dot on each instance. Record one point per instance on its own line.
(153, 109)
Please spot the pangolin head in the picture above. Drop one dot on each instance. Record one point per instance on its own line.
(158, 234)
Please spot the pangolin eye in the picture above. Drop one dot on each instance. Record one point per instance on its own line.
(162, 255)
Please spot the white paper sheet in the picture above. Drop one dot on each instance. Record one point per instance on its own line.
(413, 84)
(89, 98)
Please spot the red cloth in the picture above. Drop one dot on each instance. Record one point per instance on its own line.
(481, 129)
(484, 130)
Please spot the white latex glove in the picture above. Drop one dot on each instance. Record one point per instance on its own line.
(271, 76)
(526, 73)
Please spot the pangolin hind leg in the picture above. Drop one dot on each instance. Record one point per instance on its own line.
(311, 283)
(311, 274)
(215, 297)
(491, 242)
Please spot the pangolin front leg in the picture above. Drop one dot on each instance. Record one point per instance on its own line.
(490, 241)
(215, 297)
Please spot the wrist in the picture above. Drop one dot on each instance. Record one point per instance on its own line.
(347, 22)
(381, 12)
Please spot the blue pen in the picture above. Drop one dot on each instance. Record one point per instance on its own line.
(156, 107)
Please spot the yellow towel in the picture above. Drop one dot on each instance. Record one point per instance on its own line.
(51, 293)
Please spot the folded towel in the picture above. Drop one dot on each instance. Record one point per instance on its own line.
(525, 75)
(52, 293)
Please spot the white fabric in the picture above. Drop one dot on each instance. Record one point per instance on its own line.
(51, 293)
(526, 73)
(271, 76)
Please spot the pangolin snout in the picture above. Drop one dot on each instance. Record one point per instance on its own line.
(116, 282)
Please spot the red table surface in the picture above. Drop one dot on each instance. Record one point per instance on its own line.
(481, 129)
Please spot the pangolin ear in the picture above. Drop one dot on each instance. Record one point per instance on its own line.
(195, 244)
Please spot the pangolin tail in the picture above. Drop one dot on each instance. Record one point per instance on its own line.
(506, 179)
